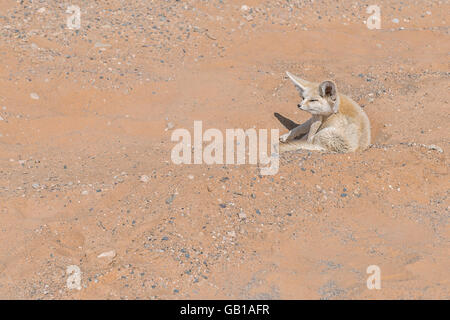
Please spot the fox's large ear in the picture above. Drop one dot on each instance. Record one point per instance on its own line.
(328, 90)
(300, 84)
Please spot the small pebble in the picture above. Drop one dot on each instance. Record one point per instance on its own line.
(107, 254)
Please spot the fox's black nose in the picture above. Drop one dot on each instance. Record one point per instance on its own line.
(299, 105)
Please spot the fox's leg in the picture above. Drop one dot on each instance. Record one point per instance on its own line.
(297, 131)
(316, 122)
(333, 140)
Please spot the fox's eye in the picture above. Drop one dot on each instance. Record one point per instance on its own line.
(313, 100)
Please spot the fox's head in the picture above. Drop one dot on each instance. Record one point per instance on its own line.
(319, 99)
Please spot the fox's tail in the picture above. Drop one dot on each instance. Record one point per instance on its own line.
(298, 145)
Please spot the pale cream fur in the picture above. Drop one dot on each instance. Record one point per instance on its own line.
(337, 124)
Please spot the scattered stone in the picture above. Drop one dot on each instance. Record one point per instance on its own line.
(108, 254)
(170, 199)
(170, 126)
(330, 290)
(245, 8)
(102, 45)
(145, 178)
(395, 20)
(74, 277)
(34, 96)
(435, 147)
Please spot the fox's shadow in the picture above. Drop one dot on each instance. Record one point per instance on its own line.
(287, 123)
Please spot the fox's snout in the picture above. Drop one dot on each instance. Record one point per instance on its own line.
(301, 107)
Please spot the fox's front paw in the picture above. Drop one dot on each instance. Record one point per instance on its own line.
(284, 137)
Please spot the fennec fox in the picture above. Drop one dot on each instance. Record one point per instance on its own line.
(338, 124)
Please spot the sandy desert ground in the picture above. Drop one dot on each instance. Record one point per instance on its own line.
(86, 117)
